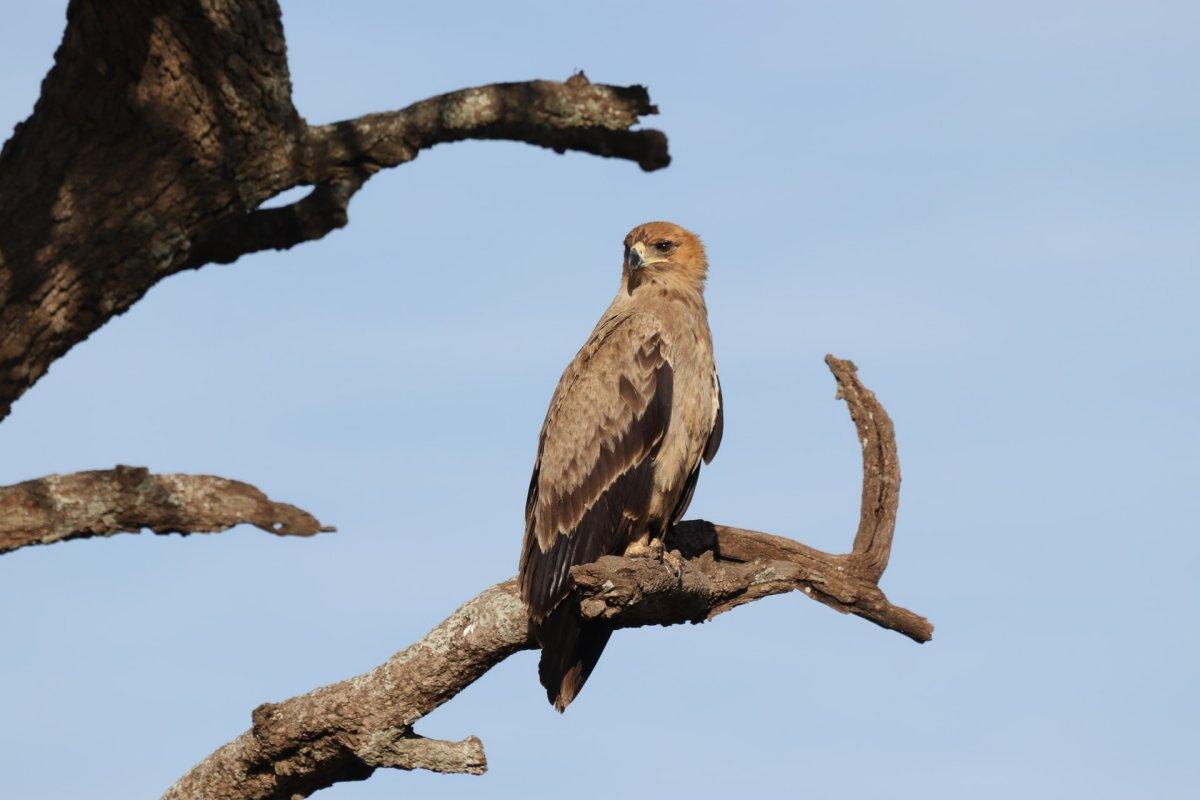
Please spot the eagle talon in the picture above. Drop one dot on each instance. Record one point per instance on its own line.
(674, 561)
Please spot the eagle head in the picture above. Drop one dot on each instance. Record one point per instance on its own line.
(664, 253)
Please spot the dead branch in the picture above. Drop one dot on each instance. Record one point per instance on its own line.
(713, 579)
(57, 508)
(338, 159)
(347, 730)
(727, 567)
(574, 115)
(161, 130)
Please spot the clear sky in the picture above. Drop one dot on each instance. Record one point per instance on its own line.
(991, 208)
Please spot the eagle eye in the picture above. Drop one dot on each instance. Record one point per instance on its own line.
(663, 246)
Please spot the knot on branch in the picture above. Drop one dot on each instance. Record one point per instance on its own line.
(260, 719)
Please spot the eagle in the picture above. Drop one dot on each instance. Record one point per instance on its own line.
(619, 454)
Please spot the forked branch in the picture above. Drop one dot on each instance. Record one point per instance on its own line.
(337, 159)
(346, 730)
(726, 567)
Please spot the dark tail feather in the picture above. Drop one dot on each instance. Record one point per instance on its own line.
(570, 648)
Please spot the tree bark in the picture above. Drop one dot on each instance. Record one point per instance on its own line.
(163, 126)
(345, 731)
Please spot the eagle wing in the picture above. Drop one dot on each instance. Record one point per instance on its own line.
(593, 481)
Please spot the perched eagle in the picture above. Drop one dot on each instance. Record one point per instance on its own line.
(620, 450)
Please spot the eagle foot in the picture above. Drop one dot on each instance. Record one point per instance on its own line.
(646, 548)
(657, 550)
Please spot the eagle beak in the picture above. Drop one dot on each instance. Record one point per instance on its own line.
(636, 255)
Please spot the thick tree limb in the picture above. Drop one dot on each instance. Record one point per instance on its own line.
(336, 733)
(57, 508)
(163, 127)
(635, 592)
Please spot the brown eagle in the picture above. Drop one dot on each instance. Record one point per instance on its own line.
(620, 450)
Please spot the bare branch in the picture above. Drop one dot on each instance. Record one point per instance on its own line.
(338, 733)
(57, 508)
(727, 567)
(339, 158)
(321, 211)
(711, 580)
(400, 748)
(343, 732)
(881, 472)
(574, 115)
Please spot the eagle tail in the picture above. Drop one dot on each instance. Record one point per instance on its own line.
(570, 649)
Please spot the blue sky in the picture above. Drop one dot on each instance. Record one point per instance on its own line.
(991, 208)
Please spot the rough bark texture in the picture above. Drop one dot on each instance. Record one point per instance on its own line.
(162, 128)
(345, 731)
(57, 508)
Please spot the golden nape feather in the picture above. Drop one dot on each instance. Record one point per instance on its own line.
(619, 454)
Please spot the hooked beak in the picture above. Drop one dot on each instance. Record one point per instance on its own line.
(637, 255)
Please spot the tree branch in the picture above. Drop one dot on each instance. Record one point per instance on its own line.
(339, 158)
(727, 567)
(161, 130)
(574, 115)
(58, 508)
(321, 211)
(337, 733)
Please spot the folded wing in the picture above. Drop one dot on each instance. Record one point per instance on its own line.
(593, 482)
